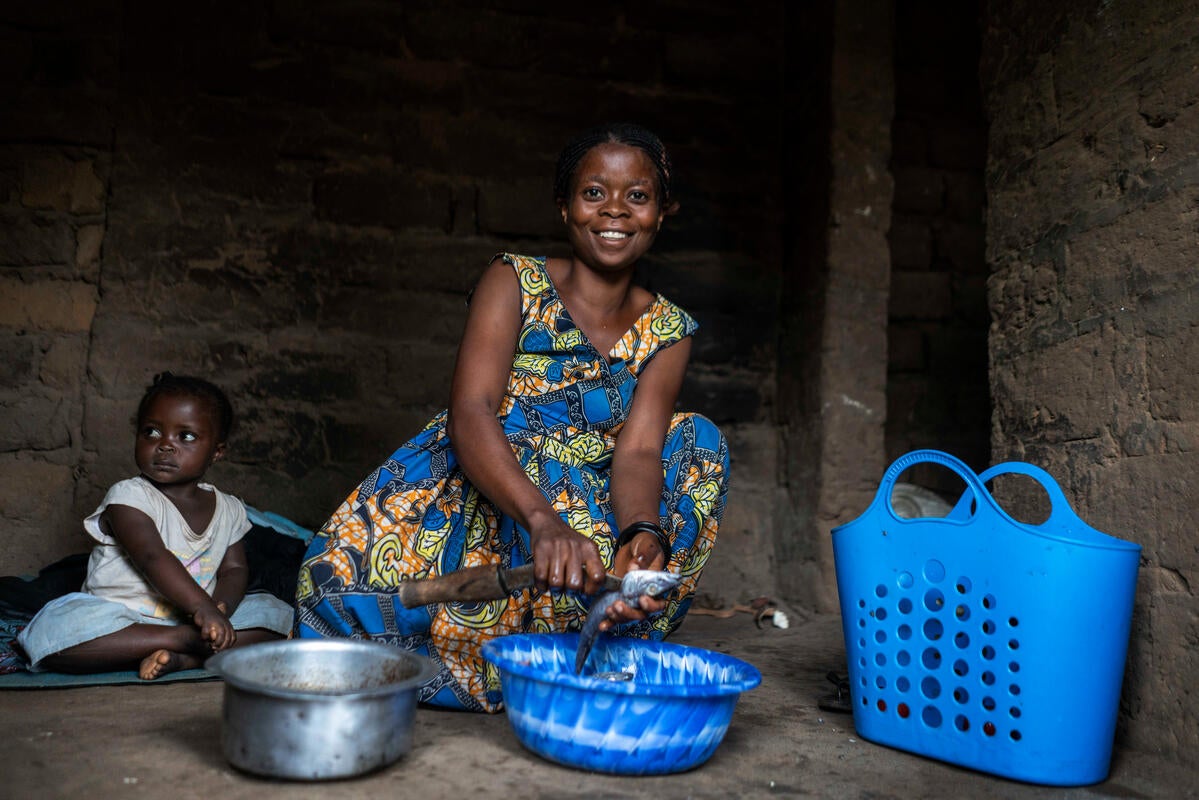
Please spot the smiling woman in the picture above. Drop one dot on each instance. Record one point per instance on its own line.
(560, 447)
(614, 208)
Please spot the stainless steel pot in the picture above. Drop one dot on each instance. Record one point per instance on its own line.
(316, 709)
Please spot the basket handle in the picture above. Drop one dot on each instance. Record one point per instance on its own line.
(1066, 525)
(965, 507)
(1059, 506)
(1062, 521)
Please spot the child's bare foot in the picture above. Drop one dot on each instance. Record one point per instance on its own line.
(163, 662)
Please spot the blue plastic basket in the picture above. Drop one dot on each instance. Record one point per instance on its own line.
(982, 641)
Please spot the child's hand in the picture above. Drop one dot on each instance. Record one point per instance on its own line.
(215, 628)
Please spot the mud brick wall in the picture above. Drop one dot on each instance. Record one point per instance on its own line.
(832, 360)
(937, 395)
(1093, 190)
(295, 199)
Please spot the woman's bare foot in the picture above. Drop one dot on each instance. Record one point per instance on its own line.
(163, 662)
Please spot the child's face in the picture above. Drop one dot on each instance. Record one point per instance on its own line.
(613, 212)
(177, 440)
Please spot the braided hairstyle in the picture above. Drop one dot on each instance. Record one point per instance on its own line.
(625, 133)
(168, 383)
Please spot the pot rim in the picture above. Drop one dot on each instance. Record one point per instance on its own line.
(221, 664)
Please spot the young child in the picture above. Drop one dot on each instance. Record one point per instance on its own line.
(166, 579)
(560, 447)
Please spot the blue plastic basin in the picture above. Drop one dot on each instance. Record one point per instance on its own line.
(668, 715)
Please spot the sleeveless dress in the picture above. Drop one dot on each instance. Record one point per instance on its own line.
(417, 515)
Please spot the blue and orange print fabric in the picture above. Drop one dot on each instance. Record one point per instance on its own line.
(418, 516)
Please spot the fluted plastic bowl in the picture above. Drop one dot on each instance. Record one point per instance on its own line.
(669, 716)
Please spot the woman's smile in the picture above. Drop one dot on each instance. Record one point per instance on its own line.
(614, 210)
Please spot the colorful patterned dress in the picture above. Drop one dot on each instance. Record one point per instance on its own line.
(418, 516)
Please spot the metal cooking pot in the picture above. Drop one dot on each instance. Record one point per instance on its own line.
(315, 709)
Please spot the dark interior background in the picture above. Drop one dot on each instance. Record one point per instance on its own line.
(904, 224)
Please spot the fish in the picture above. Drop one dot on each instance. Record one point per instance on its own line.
(633, 585)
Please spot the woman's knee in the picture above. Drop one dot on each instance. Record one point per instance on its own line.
(693, 432)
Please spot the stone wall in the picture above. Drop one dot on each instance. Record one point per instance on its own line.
(295, 199)
(1093, 190)
(937, 393)
(832, 361)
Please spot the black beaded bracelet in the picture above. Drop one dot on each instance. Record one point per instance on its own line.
(644, 526)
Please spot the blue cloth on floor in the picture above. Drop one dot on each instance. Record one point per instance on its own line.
(63, 680)
(79, 617)
(269, 519)
(274, 547)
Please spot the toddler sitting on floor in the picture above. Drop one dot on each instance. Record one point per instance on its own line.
(166, 580)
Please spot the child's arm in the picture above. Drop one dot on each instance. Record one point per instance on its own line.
(134, 531)
(231, 578)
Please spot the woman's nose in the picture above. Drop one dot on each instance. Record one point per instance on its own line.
(614, 208)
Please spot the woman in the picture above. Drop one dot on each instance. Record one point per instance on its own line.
(560, 447)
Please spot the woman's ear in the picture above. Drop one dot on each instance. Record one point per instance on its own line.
(562, 210)
(671, 208)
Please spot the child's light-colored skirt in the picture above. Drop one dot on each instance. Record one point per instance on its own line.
(78, 617)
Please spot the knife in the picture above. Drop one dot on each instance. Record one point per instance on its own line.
(486, 582)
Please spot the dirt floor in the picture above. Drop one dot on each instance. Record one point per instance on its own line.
(163, 742)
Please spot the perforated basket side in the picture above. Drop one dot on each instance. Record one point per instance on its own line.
(984, 646)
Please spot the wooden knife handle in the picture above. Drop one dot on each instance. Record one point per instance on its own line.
(488, 582)
(473, 584)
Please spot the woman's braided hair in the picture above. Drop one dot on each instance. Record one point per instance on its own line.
(614, 133)
(168, 383)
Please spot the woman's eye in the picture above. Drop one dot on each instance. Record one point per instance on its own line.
(638, 196)
(592, 193)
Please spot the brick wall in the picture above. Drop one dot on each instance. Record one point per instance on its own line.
(937, 388)
(295, 200)
(832, 356)
(1093, 189)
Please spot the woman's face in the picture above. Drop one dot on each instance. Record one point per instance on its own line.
(614, 210)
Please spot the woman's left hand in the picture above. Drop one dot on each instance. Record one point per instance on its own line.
(642, 552)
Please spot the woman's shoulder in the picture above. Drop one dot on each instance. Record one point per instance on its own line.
(670, 321)
(531, 271)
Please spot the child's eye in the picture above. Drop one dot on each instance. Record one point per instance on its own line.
(187, 436)
(150, 432)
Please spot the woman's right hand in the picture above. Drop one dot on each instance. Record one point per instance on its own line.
(564, 558)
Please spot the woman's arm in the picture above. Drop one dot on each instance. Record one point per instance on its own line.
(561, 556)
(135, 532)
(637, 462)
(636, 485)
